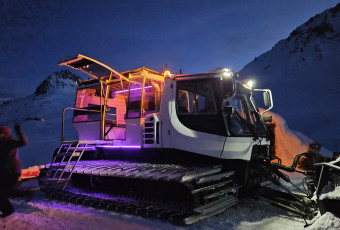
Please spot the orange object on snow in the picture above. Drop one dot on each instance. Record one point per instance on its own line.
(30, 172)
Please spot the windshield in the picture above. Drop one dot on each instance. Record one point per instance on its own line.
(245, 121)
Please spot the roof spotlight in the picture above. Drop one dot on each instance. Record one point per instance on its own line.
(250, 84)
(227, 73)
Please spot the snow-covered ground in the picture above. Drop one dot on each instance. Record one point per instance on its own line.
(38, 212)
(326, 221)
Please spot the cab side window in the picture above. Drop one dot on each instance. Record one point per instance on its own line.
(197, 106)
(195, 99)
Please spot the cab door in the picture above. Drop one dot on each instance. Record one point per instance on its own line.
(196, 123)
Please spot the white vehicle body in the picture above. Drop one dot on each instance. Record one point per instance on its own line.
(126, 131)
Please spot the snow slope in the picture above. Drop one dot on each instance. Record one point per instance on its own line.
(303, 73)
(40, 115)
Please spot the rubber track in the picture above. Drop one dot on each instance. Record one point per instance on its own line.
(214, 189)
(124, 205)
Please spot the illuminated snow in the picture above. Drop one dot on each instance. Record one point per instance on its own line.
(39, 213)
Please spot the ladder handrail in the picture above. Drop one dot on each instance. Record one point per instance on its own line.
(74, 165)
(72, 147)
(68, 161)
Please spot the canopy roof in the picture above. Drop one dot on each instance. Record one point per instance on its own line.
(105, 73)
(92, 67)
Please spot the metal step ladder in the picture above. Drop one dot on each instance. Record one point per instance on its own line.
(64, 163)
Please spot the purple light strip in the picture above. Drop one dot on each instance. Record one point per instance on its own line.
(87, 148)
(126, 90)
(121, 146)
(90, 148)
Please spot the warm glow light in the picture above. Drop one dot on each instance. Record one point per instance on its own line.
(167, 74)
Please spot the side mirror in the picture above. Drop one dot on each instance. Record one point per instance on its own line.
(267, 100)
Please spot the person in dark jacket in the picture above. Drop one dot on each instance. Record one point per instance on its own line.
(10, 165)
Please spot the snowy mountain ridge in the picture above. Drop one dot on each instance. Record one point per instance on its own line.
(303, 73)
(62, 79)
(40, 115)
(51, 95)
(324, 26)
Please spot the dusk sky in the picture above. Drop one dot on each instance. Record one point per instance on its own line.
(195, 36)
